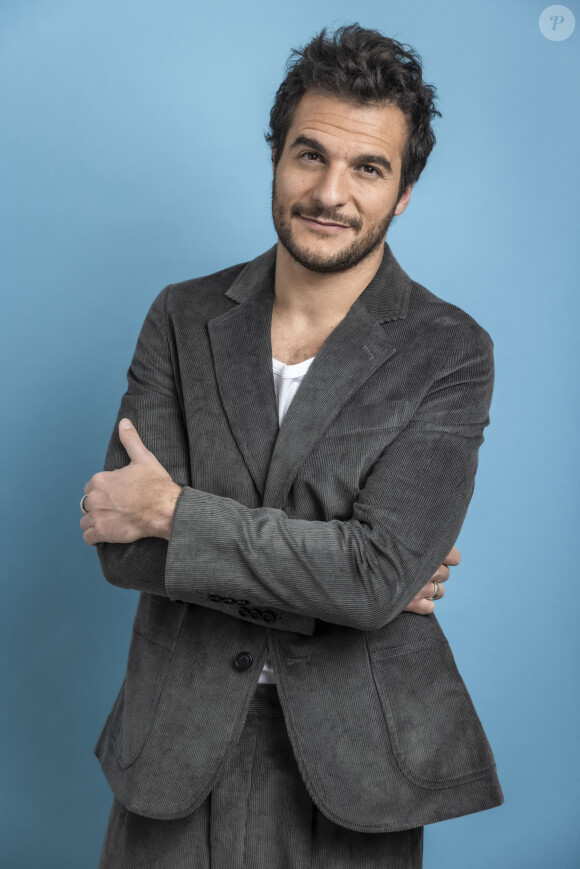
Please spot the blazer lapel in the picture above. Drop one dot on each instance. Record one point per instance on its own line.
(351, 353)
(242, 352)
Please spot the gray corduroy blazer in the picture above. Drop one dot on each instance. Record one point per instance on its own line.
(304, 543)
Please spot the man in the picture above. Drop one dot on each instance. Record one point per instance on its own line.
(303, 552)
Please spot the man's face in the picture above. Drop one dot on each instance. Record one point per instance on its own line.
(336, 184)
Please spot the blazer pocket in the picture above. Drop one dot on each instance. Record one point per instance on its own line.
(155, 631)
(357, 418)
(435, 732)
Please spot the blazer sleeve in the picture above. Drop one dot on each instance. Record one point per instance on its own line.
(364, 571)
(152, 402)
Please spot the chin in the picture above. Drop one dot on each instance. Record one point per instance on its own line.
(330, 262)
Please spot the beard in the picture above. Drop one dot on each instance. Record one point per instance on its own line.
(345, 259)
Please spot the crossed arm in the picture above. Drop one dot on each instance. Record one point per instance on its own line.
(139, 500)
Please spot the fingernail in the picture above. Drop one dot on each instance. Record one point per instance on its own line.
(126, 423)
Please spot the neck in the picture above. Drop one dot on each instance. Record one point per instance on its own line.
(320, 298)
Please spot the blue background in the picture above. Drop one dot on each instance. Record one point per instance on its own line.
(133, 156)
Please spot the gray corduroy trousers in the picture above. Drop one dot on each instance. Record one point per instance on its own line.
(259, 816)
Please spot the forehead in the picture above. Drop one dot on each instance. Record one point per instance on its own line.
(345, 126)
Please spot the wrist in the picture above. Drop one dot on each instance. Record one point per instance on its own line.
(163, 517)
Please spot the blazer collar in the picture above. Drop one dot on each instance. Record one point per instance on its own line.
(385, 298)
(241, 346)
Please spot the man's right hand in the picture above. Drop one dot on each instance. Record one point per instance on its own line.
(423, 603)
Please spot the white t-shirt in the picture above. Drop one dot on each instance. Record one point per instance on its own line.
(287, 379)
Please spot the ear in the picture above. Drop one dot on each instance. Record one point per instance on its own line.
(404, 200)
(273, 159)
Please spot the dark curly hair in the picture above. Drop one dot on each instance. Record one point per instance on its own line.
(360, 66)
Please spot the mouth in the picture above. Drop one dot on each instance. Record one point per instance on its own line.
(331, 226)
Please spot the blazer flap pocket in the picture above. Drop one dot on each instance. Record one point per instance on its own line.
(357, 417)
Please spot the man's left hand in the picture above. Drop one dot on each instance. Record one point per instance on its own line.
(423, 603)
(133, 502)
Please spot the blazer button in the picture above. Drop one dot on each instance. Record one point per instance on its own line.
(256, 614)
(244, 613)
(228, 600)
(243, 661)
(268, 617)
(242, 602)
(216, 598)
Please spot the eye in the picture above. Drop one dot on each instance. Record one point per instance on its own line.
(371, 171)
(310, 156)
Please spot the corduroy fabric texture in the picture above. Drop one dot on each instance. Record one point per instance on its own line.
(259, 816)
(304, 542)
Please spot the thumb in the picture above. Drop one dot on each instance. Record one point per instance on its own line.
(133, 444)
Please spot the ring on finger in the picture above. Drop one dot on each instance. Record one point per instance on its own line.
(83, 508)
(436, 591)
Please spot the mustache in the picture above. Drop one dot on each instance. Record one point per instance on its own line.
(330, 215)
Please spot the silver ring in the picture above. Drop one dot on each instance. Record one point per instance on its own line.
(83, 505)
(436, 590)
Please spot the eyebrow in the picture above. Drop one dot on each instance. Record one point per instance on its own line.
(376, 159)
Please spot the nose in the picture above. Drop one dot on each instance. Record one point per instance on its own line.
(331, 190)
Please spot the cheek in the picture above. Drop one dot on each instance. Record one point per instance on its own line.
(292, 185)
(379, 208)
(295, 190)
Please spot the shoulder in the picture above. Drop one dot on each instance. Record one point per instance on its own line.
(196, 300)
(431, 315)
(201, 293)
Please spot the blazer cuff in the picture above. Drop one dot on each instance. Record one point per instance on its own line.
(185, 580)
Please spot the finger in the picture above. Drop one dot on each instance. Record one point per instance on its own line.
(86, 522)
(133, 444)
(421, 607)
(428, 590)
(440, 590)
(89, 537)
(441, 574)
(453, 558)
(94, 486)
